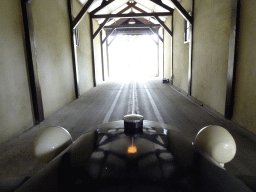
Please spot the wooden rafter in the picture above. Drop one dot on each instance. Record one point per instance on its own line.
(162, 5)
(132, 15)
(103, 4)
(81, 14)
(163, 25)
(132, 26)
(182, 11)
(100, 28)
(153, 31)
(148, 32)
(123, 10)
(120, 21)
(133, 5)
(107, 36)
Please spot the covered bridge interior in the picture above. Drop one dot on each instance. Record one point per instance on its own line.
(57, 53)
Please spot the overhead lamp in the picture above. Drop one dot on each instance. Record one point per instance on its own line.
(131, 21)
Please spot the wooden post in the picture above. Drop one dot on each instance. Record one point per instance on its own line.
(31, 61)
(92, 48)
(229, 105)
(73, 49)
(191, 50)
(102, 59)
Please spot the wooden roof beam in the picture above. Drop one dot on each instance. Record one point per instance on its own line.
(100, 27)
(133, 5)
(159, 2)
(132, 26)
(132, 15)
(103, 4)
(81, 14)
(163, 25)
(123, 10)
(182, 11)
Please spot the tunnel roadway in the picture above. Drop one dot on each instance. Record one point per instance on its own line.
(156, 101)
(110, 101)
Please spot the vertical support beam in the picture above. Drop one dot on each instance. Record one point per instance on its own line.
(229, 105)
(191, 50)
(162, 5)
(171, 80)
(163, 53)
(102, 59)
(107, 56)
(73, 49)
(31, 62)
(158, 59)
(92, 48)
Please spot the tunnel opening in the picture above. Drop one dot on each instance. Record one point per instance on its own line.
(133, 56)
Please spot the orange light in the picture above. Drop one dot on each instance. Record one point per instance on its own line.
(132, 149)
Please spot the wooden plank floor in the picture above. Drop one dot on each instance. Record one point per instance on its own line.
(110, 101)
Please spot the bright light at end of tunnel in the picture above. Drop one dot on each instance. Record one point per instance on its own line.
(132, 150)
(133, 57)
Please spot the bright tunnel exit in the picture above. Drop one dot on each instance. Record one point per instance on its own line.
(133, 56)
